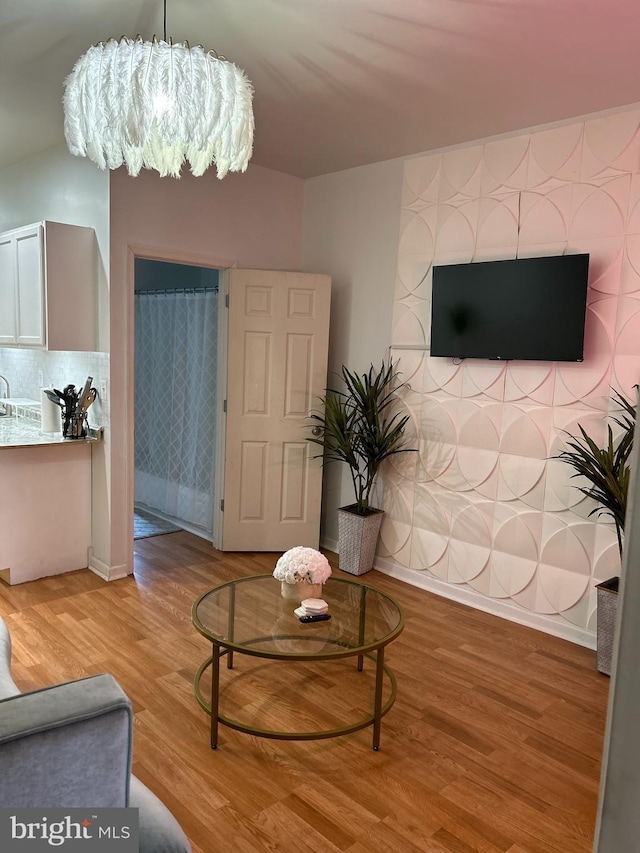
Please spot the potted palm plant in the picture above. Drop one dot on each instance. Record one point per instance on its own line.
(607, 471)
(358, 426)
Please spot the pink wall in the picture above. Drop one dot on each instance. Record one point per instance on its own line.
(251, 220)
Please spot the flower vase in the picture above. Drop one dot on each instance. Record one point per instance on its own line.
(299, 591)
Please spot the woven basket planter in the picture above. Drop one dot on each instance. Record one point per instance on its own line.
(357, 539)
(606, 623)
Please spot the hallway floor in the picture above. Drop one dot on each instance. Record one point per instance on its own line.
(146, 524)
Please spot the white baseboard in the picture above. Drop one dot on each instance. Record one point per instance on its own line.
(540, 622)
(107, 573)
(329, 544)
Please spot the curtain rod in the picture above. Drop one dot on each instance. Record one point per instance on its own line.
(149, 292)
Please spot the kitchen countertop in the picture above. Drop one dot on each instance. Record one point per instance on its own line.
(24, 432)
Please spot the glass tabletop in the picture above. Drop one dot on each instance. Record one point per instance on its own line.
(250, 615)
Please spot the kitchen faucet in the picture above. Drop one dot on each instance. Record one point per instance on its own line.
(5, 396)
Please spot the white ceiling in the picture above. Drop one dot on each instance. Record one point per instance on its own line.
(341, 83)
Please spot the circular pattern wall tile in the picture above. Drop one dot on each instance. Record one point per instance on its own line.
(543, 217)
(519, 476)
(505, 164)
(630, 274)
(443, 374)
(607, 564)
(470, 544)
(524, 380)
(422, 178)
(482, 376)
(608, 143)
(565, 569)
(428, 550)
(456, 232)
(466, 560)
(410, 322)
(415, 253)
(461, 173)
(498, 222)
(515, 556)
(555, 153)
(438, 439)
(626, 361)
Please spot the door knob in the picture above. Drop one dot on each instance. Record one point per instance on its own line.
(316, 431)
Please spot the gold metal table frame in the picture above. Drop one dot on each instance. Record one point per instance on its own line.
(367, 620)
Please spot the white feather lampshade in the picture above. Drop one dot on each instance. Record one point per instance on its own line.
(156, 105)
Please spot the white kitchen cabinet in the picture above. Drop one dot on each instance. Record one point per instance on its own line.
(30, 289)
(48, 287)
(7, 290)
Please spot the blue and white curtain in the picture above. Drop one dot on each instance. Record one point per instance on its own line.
(175, 403)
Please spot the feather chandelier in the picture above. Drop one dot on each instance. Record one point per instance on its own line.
(157, 105)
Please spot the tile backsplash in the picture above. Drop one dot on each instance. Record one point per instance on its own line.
(29, 370)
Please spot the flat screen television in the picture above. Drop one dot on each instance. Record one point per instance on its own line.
(529, 308)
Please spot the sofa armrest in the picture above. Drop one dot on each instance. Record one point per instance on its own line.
(160, 832)
(67, 746)
(7, 685)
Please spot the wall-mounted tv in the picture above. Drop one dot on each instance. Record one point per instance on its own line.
(528, 308)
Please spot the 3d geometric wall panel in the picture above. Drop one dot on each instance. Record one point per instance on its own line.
(482, 505)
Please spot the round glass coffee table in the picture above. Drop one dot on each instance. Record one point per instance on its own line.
(250, 616)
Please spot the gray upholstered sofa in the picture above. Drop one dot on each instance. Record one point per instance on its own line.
(69, 746)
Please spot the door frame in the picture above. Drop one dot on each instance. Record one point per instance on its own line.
(221, 414)
(175, 256)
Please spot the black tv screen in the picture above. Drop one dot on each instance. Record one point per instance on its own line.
(529, 308)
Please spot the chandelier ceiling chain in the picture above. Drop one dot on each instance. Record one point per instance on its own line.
(156, 105)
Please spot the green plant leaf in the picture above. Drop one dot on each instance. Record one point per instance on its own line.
(607, 469)
(359, 427)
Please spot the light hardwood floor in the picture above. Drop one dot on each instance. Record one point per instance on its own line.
(493, 745)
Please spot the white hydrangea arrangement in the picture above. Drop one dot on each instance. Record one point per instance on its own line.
(302, 565)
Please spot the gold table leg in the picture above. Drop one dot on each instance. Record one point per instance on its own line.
(215, 693)
(231, 622)
(363, 610)
(377, 702)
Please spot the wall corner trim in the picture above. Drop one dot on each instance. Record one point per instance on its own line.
(107, 573)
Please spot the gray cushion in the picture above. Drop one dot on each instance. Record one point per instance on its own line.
(160, 832)
(7, 686)
(67, 746)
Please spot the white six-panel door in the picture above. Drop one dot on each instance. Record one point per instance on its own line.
(278, 335)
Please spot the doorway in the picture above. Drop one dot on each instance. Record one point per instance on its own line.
(175, 373)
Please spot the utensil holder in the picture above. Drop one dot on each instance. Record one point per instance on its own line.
(74, 426)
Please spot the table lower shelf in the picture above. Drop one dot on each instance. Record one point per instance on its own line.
(384, 675)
